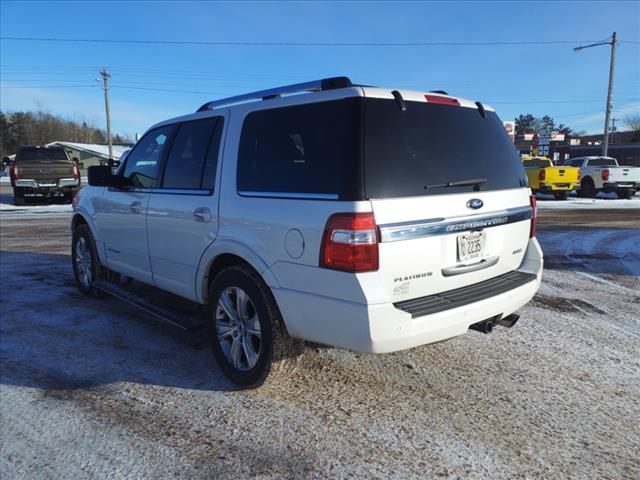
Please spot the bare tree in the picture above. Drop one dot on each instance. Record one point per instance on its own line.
(632, 122)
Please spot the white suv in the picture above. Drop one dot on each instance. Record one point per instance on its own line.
(359, 217)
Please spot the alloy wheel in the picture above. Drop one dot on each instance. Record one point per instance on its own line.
(238, 328)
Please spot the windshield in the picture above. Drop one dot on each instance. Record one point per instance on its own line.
(439, 146)
(603, 162)
(41, 154)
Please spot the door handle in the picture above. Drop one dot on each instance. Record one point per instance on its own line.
(202, 214)
(135, 207)
(485, 263)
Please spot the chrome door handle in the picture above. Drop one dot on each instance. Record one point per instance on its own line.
(485, 263)
(202, 214)
(135, 207)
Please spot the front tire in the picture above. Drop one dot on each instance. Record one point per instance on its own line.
(625, 194)
(248, 336)
(85, 261)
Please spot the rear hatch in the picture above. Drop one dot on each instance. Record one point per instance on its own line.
(45, 165)
(448, 192)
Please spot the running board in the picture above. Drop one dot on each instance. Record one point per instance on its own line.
(182, 321)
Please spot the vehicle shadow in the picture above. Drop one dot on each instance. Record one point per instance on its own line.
(592, 250)
(54, 338)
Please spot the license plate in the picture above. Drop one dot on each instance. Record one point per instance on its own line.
(471, 246)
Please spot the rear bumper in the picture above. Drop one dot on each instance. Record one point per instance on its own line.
(382, 328)
(614, 186)
(35, 187)
(560, 187)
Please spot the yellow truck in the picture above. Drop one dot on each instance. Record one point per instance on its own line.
(544, 177)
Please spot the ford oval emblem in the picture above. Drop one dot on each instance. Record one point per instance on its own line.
(475, 203)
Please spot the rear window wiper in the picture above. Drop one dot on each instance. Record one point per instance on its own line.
(475, 182)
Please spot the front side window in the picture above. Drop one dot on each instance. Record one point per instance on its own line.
(142, 164)
(304, 149)
(193, 157)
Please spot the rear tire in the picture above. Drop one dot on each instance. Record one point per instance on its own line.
(85, 261)
(18, 197)
(247, 333)
(588, 189)
(560, 195)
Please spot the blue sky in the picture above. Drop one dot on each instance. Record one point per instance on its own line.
(537, 79)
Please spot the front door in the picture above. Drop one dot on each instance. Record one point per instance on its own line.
(121, 215)
(182, 218)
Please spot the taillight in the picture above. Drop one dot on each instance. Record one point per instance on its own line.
(605, 175)
(578, 176)
(542, 175)
(76, 171)
(350, 243)
(534, 206)
(13, 172)
(442, 100)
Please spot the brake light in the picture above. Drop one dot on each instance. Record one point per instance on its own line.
(605, 175)
(578, 175)
(534, 207)
(442, 100)
(13, 172)
(350, 243)
(76, 171)
(542, 175)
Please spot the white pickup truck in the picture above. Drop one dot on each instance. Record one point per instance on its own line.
(603, 174)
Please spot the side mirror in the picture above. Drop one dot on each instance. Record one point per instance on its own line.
(100, 176)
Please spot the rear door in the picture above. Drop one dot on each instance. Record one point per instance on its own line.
(121, 213)
(448, 192)
(182, 217)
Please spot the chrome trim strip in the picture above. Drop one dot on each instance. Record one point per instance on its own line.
(308, 196)
(482, 264)
(393, 232)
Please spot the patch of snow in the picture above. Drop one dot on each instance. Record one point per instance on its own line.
(9, 211)
(604, 200)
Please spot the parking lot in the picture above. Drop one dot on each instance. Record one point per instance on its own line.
(91, 388)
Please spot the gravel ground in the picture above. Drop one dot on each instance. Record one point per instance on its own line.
(92, 389)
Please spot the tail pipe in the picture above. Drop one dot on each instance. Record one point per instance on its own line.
(486, 326)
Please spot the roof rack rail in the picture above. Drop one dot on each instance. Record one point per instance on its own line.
(314, 86)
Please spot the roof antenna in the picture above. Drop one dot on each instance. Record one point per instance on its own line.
(481, 109)
(399, 100)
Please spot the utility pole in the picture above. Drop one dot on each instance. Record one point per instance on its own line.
(613, 43)
(105, 85)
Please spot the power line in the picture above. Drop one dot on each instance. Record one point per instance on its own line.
(48, 86)
(293, 44)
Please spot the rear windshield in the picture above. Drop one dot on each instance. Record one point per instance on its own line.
(603, 162)
(419, 150)
(41, 154)
(536, 163)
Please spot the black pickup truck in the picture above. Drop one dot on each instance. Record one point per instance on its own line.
(43, 173)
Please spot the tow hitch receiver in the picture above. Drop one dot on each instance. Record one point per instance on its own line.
(486, 326)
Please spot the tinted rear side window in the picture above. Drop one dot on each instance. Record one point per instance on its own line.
(302, 149)
(42, 154)
(432, 144)
(190, 155)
